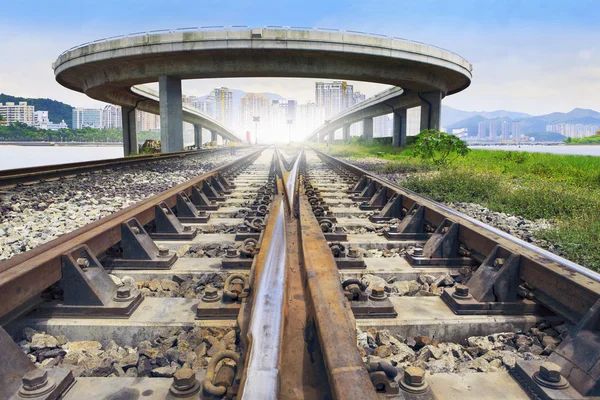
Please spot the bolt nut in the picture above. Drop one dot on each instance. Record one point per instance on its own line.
(211, 294)
(166, 210)
(135, 230)
(414, 376)
(498, 262)
(184, 378)
(461, 290)
(550, 372)
(163, 251)
(378, 293)
(35, 379)
(353, 252)
(231, 253)
(187, 228)
(83, 262)
(445, 229)
(418, 251)
(123, 292)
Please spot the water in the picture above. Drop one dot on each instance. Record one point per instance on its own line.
(33, 156)
(574, 149)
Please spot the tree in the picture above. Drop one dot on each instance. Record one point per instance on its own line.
(439, 148)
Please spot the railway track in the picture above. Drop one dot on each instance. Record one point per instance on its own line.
(290, 274)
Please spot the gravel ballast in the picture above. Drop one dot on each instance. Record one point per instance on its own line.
(35, 214)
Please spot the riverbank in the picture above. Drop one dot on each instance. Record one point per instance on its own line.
(557, 196)
(65, 144)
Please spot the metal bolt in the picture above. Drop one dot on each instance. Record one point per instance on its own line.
(377, 293)
(550, 372)
(414, 376)
(187, 228)
(166, 210)
(418, 251)
(184, 378)
(123, 292)
(231, 253)
(163, 251)
(445, 229)
(498, 262)
(135, 230)
(461, 290)
(211, 294)
(35, 379)
(83, 262)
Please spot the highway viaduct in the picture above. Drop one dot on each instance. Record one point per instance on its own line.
(109, 69)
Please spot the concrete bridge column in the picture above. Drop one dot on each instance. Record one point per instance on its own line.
(431, 110)
(346, 133)
(171, 114)
(130, 139)
(331, 136)
(399, 130)
(198, 136)
(368, 129)
(213, 136)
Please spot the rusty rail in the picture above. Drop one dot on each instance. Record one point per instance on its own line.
(27, 274)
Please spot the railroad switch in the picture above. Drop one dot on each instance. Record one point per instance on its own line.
(364, 305)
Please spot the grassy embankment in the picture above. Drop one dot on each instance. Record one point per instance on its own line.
(563, 188)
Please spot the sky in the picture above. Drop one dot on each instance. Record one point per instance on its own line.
(528, 55)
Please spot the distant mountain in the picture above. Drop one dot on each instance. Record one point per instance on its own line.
(57, 111)
(529, 124)
(451, 115)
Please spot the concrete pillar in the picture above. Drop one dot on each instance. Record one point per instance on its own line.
(130, 140)
(331, 136)
(346, 133)
(198, 136)
(171, 114)
(431, 114)
(399, 129)
(368, 129)
(213, 136)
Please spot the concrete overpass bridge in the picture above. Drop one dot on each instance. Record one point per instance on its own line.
(108, 69)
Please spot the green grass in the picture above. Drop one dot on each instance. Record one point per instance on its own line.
(563, 188)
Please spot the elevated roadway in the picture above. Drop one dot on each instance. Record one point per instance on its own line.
(107, 69)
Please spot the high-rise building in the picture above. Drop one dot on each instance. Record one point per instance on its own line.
(40, 119)
(309, 118)
(357, 97)
(573, 130)
(382, 126)
(207, 106)
(492, 130)
(255, 105)
(516, 131)
(17, 112)
(87, 118)
(223, 105)
(505, 130)
(111, 117)
(147, 122)
(333, 97)
(482, 130)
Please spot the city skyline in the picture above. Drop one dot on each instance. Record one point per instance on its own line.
(555, 65)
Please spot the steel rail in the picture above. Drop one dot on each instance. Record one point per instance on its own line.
(567, 288)
(32, 174)
(266, 322)
(334, 320)
(25, 275)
